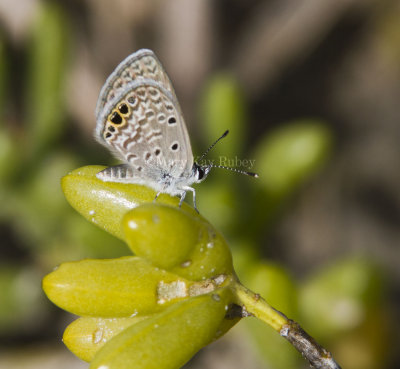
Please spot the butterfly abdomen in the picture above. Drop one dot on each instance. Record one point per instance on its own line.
(117, 173)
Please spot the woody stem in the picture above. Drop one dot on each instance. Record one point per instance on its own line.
(254, 305)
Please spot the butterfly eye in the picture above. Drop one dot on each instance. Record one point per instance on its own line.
(200, 173)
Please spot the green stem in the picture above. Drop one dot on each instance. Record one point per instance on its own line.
(254, 305)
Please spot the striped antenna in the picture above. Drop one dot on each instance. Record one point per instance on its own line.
(208, 150)
(222, 166)
(255, 175)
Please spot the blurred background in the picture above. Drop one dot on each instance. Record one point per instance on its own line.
(309, 90)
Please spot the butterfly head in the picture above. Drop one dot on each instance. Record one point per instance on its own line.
(200, 172)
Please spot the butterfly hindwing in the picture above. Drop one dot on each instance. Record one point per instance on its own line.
(141, 65)
(143, 126)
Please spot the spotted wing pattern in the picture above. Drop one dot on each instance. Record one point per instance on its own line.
(140, 121)
(141, 65)
(145, 128)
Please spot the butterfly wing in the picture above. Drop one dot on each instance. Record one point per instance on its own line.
(152, 124)
(139, 66)
(144, 127)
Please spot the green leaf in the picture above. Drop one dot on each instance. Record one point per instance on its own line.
(3, 77)
(172, 239)
(85, 336)
(106, 203)
(21, 298)
(338, 298)
(113, 288)
(167, 340)
(274, 284)
(46, 77)
(222, 109)
(289, 155)
(10, 155)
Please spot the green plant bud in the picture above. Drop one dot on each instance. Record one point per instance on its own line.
(291, 154)
(85, 336)
(127, 286)
(175, 240)
(105, 203)
(165, 235)
(168, 339)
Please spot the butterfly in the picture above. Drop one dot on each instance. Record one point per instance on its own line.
(140, 121)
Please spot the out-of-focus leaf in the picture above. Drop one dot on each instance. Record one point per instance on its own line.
(218, 201)
(337, 299)
(223, 108)
(45, 94)
(3, 78)
(9, 155)
(343, 306)
(40, 206)
(290, 155)
(93, 241)
(274, 284)
(21, 304)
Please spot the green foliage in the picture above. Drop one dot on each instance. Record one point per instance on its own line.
(38, 228)
(167, 340)
(161, 306)
(182, 298)
(173, 239)
(287, 157)
(85, 336)
(174, 246)
(340, 296)
(21, 302)
(344, 305)
(223, 108)
(110, 287)
(45, 93)
(273, 283)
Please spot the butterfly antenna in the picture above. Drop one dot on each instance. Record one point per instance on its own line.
(208, 150)
(255, 175)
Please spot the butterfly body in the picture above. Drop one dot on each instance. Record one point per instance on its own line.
(140, 121)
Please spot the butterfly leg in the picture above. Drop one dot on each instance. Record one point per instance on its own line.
(158, 194)
(182, 198)
(194, 196)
